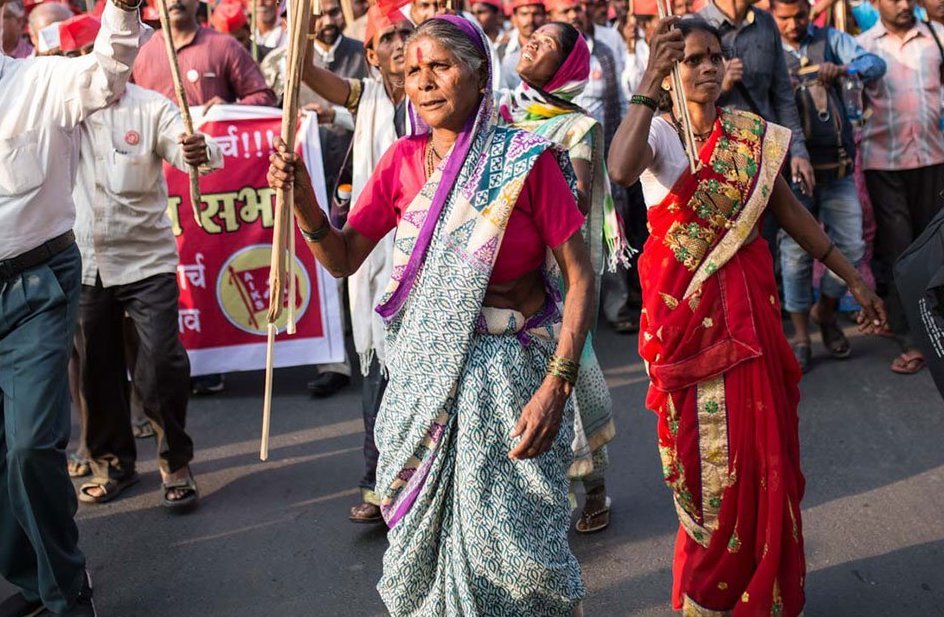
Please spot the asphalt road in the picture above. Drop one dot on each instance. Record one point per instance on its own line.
(272, 539)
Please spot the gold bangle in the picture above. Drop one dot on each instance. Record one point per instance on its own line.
(354, 96)
(566, 369)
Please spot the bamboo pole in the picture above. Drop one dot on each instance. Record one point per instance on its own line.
(680, 101)
(282, 265)
(348, 11)
(254, 21)
(182, 103)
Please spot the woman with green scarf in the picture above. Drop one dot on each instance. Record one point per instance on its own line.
(554, 68)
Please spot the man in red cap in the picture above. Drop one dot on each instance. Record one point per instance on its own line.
(230, 18)
(526, 17)
(379, 106)
(489, 15)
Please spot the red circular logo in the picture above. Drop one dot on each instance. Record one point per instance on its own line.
(132, 138)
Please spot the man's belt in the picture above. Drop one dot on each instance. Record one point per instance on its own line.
(15, 266)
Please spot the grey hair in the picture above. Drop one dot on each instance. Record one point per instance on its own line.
(16, 7)
(48, 12)
(453, 39)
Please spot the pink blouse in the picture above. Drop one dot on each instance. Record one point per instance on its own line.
(546, 214)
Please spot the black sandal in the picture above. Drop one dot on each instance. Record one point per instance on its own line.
(188, 486)
(835, 341)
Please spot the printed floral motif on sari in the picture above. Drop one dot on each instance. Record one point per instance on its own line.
(672, 469)
(717, 199)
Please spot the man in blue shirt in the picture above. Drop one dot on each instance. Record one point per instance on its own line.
(816, 59)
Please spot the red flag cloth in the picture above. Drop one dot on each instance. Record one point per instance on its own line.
(228, 17)
(78, 32)
(645, 7)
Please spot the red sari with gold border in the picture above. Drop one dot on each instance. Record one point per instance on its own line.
(724, 382)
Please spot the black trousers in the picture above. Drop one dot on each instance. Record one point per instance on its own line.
(904, 203)
(160, 373)
(375, 384)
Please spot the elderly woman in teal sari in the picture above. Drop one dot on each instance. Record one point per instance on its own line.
(476, 424)
(554, 69)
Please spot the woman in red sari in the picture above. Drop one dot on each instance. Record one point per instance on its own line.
(724, 382)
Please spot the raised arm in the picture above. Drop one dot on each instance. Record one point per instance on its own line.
(70, 89)
(329, 86)
(340, 252)
(797, 221)
(630, 153)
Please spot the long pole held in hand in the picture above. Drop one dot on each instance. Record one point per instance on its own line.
(680, 101)
(282, 266)
(182, 103)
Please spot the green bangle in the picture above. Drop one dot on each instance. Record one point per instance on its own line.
(642, 99)
(568, 370)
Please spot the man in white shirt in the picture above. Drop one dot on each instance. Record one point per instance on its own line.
(129, 267)
(43, 101)
(268, 22)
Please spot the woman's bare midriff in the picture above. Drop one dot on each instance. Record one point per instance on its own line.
(525, 295)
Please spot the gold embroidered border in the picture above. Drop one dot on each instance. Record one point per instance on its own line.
(713, 446)
(776, 141)
(690, 608)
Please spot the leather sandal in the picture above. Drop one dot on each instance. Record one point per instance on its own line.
(592, 522)
(366, 513)
(835, 341)
(110, 488)
(803, 354)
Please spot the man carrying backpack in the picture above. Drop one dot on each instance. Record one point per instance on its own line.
(817, 58)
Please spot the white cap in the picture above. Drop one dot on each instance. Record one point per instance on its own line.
(49, 38)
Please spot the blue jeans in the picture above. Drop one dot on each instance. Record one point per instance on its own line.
(38, 536)
(836, 204)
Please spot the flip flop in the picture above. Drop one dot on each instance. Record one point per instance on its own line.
(592, 522)
(78, 467)
(366, 513)
(111, 488)
(187, 501)
(905, 365)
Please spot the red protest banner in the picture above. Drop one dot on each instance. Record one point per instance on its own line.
(224, 267)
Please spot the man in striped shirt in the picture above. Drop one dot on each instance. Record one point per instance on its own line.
(903, 143)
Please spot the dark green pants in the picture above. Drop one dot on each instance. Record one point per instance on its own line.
(38, 536)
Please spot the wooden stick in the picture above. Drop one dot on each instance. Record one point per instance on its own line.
(282, 264)
(181, 103)
(254, 8)
(267, 401)
(348, 11)
(680, 101)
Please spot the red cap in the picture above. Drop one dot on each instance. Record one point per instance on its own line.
(78, 32)
(149, 11)
(379, 18)
(517, 4)
(560, 5)
(645, 7)
(229, 16)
